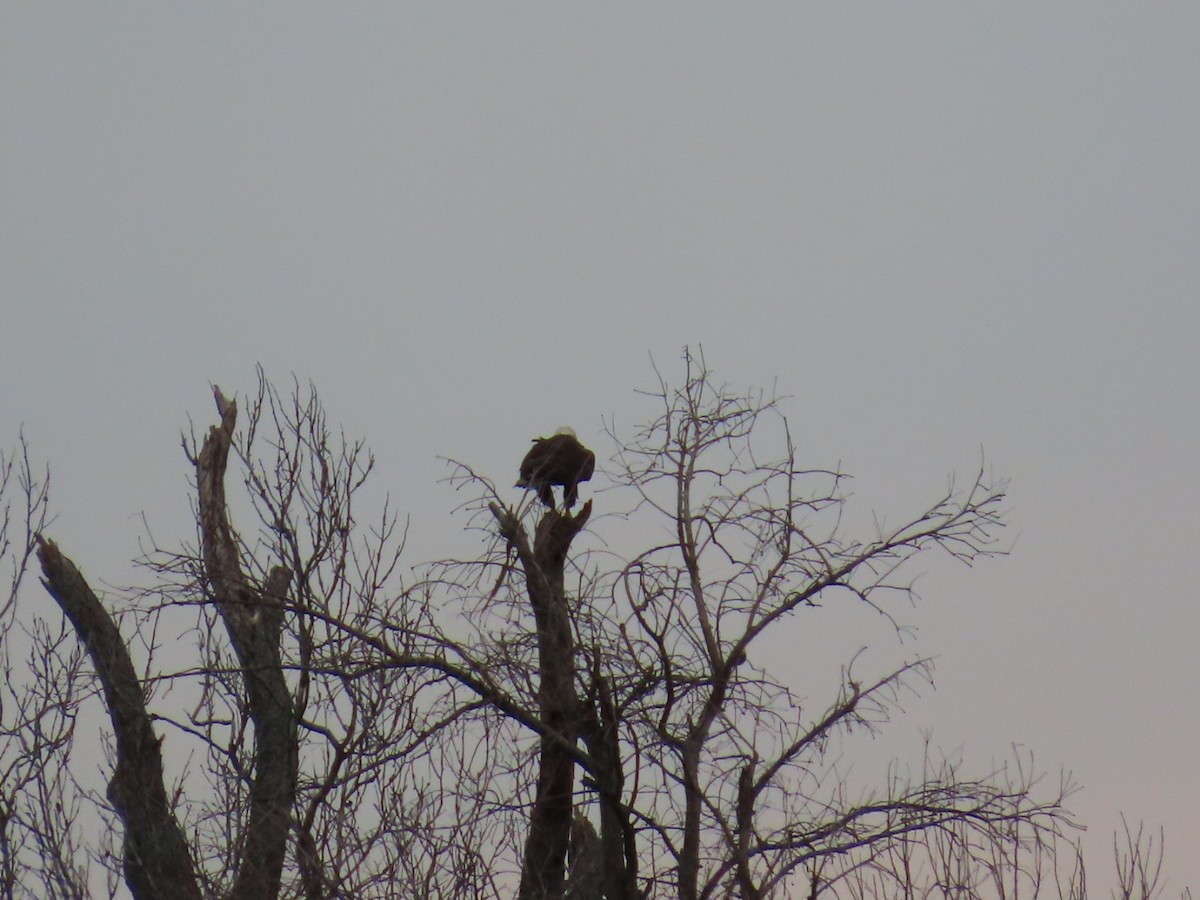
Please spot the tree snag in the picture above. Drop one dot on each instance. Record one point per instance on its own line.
(253, 616)
(544, 867)
(157, 862)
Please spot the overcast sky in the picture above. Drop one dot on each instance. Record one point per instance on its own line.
(941, 228)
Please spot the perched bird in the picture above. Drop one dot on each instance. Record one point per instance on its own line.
(560, 460)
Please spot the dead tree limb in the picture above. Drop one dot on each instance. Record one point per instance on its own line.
(544, 867)
(616, 845)
(157, 861)
(253, 615)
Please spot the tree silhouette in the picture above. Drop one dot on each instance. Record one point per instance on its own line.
(293, 712)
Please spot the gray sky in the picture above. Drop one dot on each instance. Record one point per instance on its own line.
(939, 227)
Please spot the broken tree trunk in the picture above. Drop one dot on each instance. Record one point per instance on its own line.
(543, 870)
(157, 862)
(253, 616)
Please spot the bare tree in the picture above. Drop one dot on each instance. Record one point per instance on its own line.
(731, 797)
(42, 689)
(367, 723)
(647, 668)
(326, 734)
(294, 713)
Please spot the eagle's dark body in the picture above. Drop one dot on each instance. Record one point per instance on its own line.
(560, 460)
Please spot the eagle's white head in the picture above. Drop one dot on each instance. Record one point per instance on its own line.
(566, 429)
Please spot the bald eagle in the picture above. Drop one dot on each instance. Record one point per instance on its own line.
(560, 460)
